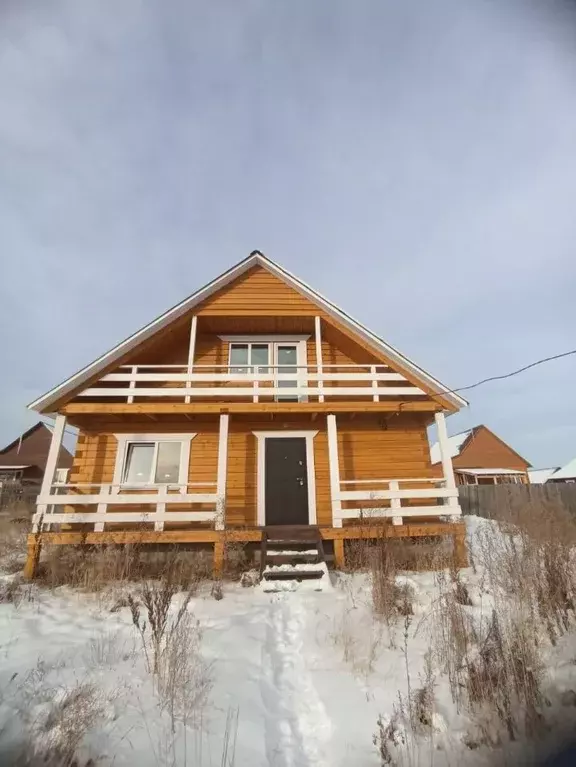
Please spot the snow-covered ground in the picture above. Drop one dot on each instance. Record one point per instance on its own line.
(299, 678)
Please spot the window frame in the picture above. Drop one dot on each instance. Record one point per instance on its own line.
(273, 342)
(124, 442)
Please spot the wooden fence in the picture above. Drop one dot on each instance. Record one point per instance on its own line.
(496, 501)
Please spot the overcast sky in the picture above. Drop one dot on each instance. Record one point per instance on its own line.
(413, 161)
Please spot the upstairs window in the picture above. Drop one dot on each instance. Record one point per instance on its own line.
(249, 358)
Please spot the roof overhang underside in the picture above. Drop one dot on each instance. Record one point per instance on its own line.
(44, 403)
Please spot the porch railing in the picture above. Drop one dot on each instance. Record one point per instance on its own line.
(104, 496)
(256, 383)
(399, 500)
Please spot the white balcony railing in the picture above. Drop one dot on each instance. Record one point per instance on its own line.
(398, 501)
(275, 383)
(103, 496)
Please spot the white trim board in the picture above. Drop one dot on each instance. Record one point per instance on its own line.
(256, 258)
(125, 439)
(261, 476)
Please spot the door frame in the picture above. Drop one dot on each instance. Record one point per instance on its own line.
(261, 436)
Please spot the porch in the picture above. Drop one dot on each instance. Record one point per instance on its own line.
(198, 512)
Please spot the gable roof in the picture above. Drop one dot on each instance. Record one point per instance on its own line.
(566, 472)
(256, 258)
(454, 446)
(24, 435)
(458, 443)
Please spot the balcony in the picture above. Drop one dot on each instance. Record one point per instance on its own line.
(222, 383)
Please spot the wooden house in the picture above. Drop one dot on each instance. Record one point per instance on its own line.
(565, 474)
(254, 403)
(480, 457)
(25, 458)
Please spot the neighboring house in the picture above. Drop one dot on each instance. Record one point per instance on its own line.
(25, 458)
(565, 473)
(254, 404)
(540, 476)
(479, 457)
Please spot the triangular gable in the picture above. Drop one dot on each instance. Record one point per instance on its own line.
(472, 449)
(214, 290)
(28, 433)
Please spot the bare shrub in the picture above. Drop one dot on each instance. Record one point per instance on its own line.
(108, 649)
(13, 591)
(532, 562)
(216, 591)
(388, 735)
(505, 677)
(236, 560)
(94, 568)
(421, 703)
(14, 529)
(184, 678)
(54, 720)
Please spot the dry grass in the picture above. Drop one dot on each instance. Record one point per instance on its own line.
(53, 721)
(95, 568)
(14, 529)
(171, 640)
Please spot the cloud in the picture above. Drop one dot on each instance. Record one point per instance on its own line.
(415, 162)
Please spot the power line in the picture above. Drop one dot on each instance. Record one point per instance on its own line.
(513, 373)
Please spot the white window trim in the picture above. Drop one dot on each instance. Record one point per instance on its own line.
(261, 469)
(122, 451)
(300, 341)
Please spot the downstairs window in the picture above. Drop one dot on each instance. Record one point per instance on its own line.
(153, 462)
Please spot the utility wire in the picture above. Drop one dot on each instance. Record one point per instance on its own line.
(513, 373)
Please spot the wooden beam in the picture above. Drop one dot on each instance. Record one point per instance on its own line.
(191, 349)
(251, 408)
(32, 558)
(318, 345)
(445, 457)
(334, 468)
(222, 471)
(414, 530)
(339, 558)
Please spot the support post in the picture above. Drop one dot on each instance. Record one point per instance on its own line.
(460, 550)
(161, 507)
(32, 559)
(102, 508)
(375, 397)
(395, 503)
(445, 457)
(218, 565)
(319, 368)
(191, 350)
(132, 384)
(52, 463)
(339, 556)
(334, 470)
(222, 471)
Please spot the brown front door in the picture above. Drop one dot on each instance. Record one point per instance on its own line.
(286, 483)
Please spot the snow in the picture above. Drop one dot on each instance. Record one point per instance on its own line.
(566, 472)
(306, 673)
(454, 445)
(480, 472)
(539, 476)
